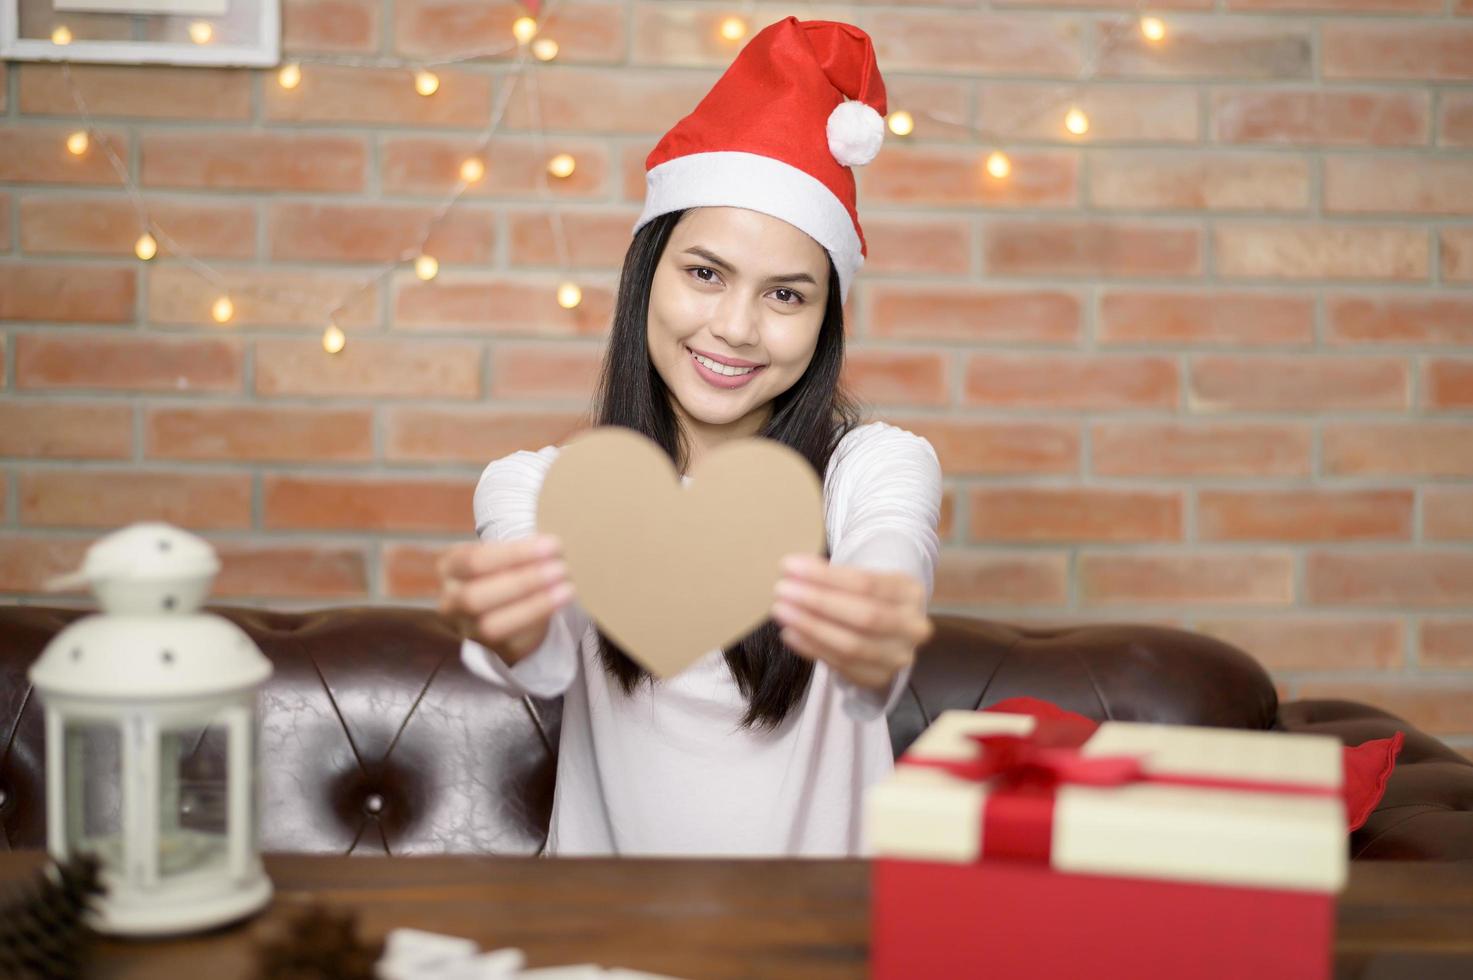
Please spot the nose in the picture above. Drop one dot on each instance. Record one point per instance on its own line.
(736, 321)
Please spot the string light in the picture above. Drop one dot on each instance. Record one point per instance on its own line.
(544, 49)
(733, 28)
(1153, 28)
(333, 339)
(473, 169)
(61, 35)
(524, 29)
(427, 267)
(201, 32)
(146, 247)
(998, 165)
(561, 165)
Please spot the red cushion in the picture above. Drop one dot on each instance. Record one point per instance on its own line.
(1367, 766)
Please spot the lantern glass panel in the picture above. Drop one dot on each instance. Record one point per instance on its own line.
(193, 800)
(94, 791)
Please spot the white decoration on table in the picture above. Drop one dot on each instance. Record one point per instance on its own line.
(415, 954)
(129, 695)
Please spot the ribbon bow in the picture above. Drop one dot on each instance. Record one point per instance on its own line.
(1049, 756)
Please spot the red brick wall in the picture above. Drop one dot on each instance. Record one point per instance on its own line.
(1211, 364)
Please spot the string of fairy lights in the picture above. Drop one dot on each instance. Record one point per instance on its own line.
(533, 43)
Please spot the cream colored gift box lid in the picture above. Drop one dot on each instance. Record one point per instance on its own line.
(1206, 835)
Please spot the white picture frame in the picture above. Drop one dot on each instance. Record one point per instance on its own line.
(253, 38)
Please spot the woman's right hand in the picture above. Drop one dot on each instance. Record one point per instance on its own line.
(502, 594)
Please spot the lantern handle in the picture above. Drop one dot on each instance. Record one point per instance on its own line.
(69, 580)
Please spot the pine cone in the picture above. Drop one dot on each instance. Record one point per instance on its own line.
(318, 944)
(42, 934)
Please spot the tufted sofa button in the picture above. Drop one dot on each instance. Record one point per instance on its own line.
(374, 803)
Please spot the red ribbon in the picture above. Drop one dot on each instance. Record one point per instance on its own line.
(1027, 771)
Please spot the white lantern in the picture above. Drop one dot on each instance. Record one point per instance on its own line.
(150, 738)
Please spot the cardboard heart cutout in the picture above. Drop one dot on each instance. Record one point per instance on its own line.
(670, 573)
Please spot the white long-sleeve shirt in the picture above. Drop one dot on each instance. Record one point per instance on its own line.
(668, 769)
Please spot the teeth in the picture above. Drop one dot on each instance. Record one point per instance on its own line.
(730, 372)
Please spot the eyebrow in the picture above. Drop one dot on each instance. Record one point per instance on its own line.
(718, 261)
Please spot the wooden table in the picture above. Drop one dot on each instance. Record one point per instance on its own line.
(716, 919)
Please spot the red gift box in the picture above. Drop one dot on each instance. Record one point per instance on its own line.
(1006, 845)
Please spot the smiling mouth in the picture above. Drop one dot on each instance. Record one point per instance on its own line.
(725, 370)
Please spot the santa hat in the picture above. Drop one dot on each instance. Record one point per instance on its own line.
(801, 104)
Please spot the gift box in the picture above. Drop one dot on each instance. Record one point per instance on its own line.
(1008, 845)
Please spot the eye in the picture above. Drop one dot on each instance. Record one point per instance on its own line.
(696, 270)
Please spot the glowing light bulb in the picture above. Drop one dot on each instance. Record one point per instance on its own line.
(333, 339)
(146, 247)
(569, 295)
(733, 28)
(1153, 28)
(77, 143)
(290, 75)
(201, 32)
(223, 310)
(426, 82)
(472, 170)
(1076, 122)
(62, 35)
(902, 123)
(561, 165)
(544, 49)
(427, 267)
(524, 28)
(998, 164)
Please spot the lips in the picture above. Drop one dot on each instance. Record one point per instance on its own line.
(718, 380)
(735, 362)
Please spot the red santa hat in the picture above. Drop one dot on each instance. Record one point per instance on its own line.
(801, 104)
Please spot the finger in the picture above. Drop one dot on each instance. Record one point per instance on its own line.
(474, 594)
(511, 619)
(859, 612)
(895, 587)
(449, 557)
(486, 592)
(475, 558)
(835, 640)
(860, 673)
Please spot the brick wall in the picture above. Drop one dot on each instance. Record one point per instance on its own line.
(1210, 364)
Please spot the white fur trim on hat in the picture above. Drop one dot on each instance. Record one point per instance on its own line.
(729, 178)
(855, 132)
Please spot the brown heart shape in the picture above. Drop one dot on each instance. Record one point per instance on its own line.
(671, 573)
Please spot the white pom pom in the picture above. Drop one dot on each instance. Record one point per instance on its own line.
(855, 133)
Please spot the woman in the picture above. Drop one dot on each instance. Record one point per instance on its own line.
(729, 324)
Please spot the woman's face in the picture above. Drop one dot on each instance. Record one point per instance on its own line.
(740, 288)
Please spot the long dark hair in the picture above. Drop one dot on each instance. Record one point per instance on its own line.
(810, 417)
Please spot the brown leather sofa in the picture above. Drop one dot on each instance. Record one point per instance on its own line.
(375, 740)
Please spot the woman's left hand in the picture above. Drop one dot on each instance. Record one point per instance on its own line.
(865, 625)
